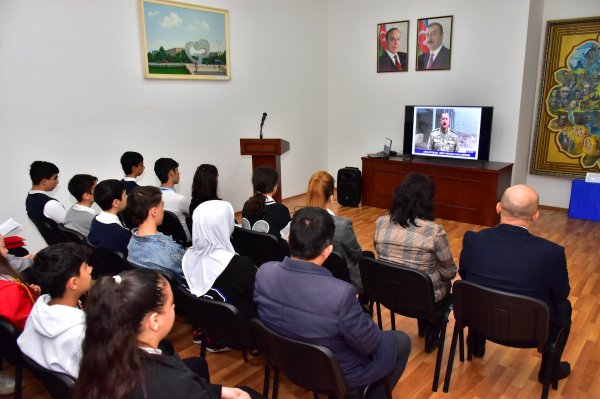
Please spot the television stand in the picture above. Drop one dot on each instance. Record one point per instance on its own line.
(465, 193)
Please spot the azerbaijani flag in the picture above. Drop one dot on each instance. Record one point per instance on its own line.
(422, 38)
(382, 46)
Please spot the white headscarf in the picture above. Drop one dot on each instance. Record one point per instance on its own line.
(211, 249)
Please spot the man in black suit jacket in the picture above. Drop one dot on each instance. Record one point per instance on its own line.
(440, 53)
(392, 60)
(509, 258)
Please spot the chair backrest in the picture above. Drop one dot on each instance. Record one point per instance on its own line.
(336, 264)
(501, 317)
(73, 235)
(108, 263)
(220, 321)
(51, 234)
(310, 366)
(171, 226)
(260, 247)
(9, 349)
(402, 290)
(58, 385)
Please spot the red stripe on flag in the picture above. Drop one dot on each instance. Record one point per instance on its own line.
(382, 46)
(422, 38)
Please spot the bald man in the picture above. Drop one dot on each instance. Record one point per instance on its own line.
(509, 258)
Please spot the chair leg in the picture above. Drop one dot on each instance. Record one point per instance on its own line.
(379, 322)
(18, 381)
(438, 361)
(266, 380)
(469, 346)
(450, 360)
(393, 319)
(245, 356)
(203, 349)
(275, 382)
(549, 368)
(315, 395)
(462, 345)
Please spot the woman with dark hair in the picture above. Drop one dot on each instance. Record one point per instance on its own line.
(271, 216)
(408, 236)
(320, 194)
(204, 186)
(128, 315)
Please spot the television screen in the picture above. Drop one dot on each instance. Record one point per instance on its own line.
(454, 132)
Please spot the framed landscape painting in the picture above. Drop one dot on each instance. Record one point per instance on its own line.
(567, 139)
(184, 41)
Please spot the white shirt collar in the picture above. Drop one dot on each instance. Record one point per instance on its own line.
(108, 218)
(151, 351)
(127, 178)
(436, 52)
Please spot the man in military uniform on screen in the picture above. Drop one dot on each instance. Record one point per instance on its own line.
(443, 138)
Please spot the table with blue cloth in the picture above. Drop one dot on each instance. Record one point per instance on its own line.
(585, 200)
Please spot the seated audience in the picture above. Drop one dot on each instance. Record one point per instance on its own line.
(130, 314)
(320, 194)
(55, 328)
(39, 205)
(262, 207)
(106, 230)
(299, 299)
(167, 171)
(133, 166)
(79, 217)
(204, 186)
(148, 247)
(509, 258)
(211, 261)
(16, 296)
(410, 237)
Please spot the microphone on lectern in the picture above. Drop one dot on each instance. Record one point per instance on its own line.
(262, 122)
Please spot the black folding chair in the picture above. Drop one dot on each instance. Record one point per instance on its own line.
(58, 385)
(506, 319)
(9, 350)
(220, 321)
(107, 263)
(260, 247)
(171, 226)
(408, 292)
(71, 235)
(310, 366)
(336, 264)
(49, 232)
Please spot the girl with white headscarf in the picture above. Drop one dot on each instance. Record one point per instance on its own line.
(211, 261)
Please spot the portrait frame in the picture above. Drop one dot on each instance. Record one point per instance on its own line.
(385, 63)
(443, 54)
(184, 41)
(567, 137)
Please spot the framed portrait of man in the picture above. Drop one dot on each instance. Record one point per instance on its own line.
(392, 47)
(434, 43)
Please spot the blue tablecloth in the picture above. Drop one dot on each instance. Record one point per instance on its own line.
(585, 200)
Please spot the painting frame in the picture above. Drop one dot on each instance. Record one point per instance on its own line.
(398, 62)
(184, 41)
(566, 140)
(442, 54)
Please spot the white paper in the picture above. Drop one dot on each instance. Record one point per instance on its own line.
(8, 226)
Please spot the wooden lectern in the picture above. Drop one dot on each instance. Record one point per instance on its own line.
(266, 152)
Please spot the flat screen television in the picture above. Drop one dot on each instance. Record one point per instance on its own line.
(450, 132)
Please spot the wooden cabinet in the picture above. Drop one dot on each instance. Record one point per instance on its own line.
(464, 192)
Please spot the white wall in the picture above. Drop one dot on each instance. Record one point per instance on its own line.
(556, 191)
(72, 92)
(365, 107)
